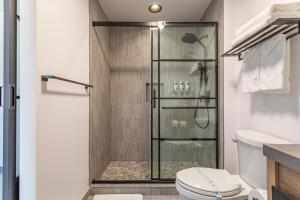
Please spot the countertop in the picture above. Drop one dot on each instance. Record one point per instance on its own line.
(285, 154)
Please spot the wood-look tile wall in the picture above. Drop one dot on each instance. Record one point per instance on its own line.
(130, 71)
(100, 95)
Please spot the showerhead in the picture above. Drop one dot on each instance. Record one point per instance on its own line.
(190, 38)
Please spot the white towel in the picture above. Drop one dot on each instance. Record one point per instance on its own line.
(275, 65)
(266, 67)
(250, 71)
(269, 15)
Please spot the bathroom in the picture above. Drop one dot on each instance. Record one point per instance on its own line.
(150, 100)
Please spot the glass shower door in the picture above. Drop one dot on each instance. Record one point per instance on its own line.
(184, 79)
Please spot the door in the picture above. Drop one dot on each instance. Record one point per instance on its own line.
(8, 99)
(184, 98)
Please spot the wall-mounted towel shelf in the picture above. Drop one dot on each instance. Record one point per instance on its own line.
(47, 77)
(289, 27)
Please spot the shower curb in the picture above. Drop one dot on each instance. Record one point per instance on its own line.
(142, 188)
(87, 195)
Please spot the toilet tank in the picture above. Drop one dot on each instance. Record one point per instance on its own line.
(252, 162)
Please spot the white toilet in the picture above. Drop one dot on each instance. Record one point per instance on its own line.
(210, 184)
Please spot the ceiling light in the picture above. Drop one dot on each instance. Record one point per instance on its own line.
(155, 8)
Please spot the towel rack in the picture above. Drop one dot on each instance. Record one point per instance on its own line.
(47, 77)
(289, 27)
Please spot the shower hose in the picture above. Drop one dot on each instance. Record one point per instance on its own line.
(202, 74)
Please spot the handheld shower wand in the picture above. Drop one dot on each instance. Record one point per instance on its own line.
(190, 38)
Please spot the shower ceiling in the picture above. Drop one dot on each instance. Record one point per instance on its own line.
(137, 10)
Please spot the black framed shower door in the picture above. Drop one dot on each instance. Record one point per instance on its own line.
(160, 103)
(166, 158)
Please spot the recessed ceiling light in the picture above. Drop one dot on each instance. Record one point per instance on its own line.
(155, 8)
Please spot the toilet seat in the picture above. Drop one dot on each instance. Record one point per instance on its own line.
(202, 183)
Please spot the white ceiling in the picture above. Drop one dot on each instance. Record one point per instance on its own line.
(137, 10)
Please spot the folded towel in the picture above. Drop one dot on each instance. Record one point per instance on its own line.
(275, 65)
(266, 67)
(250, 71)
(263, 19)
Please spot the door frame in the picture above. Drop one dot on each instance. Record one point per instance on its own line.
(10, 183)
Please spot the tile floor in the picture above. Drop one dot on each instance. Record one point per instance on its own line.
(138, 170)
(127, 170)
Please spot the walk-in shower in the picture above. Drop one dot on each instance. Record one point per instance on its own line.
(157, 111)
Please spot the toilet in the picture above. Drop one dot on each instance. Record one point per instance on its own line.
(210, 184)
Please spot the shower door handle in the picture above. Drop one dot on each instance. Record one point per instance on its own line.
(12, 96)
(1, 96)
(154, 98)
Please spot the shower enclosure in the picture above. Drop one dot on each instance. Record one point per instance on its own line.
(163, 101)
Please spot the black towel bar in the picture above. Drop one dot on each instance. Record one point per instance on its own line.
(47, 77)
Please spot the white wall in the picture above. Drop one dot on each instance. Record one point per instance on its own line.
(28, 103)
(278, 115)
(62, 108)
(54, 39)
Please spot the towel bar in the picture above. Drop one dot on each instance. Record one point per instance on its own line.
(47, 77)
(289, 27)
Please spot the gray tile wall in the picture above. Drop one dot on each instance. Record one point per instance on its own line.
(100, 95)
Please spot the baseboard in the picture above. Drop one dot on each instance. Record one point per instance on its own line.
(144, 189)
(87, 195)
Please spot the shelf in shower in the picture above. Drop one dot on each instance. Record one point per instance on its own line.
(185, 139)
(188, 107)
(184, 98)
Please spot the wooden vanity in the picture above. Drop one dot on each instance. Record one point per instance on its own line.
(283, 169)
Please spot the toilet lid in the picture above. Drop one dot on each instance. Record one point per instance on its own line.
(207, 181)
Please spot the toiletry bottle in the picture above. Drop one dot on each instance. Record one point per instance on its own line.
(175, 87)
(187, 87)
(181, 86)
